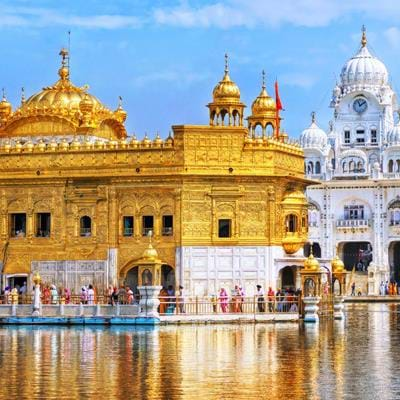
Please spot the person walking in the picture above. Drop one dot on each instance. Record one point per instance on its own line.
(90, 295)
(260, 299)
(271, 299)
(353, 289)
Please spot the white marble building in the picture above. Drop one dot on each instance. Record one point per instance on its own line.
(357, 205)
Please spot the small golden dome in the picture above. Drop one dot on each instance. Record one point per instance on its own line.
(226, 90)
(41, 145)
(169, 141)
(311, 263)
(75, 144)
(5, 107)
(337, 265)
(53, 145)
(150, 253)
(18, 146)
(64, 145)
(29, 146)
(120, 113)
(263, 105)
(123, 143)
(7, 146)
(146, 141)
(134, 141)
(158, 141)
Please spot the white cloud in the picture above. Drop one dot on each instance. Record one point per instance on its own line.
(43, 17)
(392, 35)
(250, 13)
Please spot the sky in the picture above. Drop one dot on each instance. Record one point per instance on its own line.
(165, 57)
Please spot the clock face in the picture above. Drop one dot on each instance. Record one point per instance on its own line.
(360, 105)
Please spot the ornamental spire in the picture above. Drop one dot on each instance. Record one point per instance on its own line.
(22, 95)
(226, 64)
(64, 70)
(4, 94)
(363, 37)
(263, 79)
(313, 117)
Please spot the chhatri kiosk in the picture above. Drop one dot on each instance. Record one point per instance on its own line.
(79, 196)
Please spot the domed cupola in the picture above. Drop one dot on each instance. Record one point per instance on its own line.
(393, 137)
(226, 107)
(313, 137)
(363, 69)
(263, 111)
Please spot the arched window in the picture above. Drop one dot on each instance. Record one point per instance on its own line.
(85, 226)
(310, 168)
(351, 166)
(317, 167)
(269, 130)
(360, 167)
(258, 131)
(291, 223)
(390, 166)
(397, 165)
(394, 213)
(344, 166)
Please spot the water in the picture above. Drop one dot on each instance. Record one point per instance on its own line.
(358, 358)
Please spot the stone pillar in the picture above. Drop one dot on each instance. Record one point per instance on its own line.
(311, 309)
(149, 301)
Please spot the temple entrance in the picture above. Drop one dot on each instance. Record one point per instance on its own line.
(394, 261)
(357, 255)
(167, 277)
(288, 277)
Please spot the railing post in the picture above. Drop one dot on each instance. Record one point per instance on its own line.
(197, 305)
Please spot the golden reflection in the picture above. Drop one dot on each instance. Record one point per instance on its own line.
(332, 359)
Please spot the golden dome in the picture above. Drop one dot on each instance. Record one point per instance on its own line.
(263, 105)
(337, 265)
(64, 108)
(158, 141)
(169, 141)
(120, 113)
(150, 253)
(5, 107)
(295, 198)
(311, 263)
(226, 90)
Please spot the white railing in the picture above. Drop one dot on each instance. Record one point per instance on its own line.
(352, 223)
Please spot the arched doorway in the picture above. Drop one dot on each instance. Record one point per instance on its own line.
(394, 261)
(288, 277)
(357, 255)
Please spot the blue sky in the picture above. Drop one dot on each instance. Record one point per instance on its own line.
(165, 57)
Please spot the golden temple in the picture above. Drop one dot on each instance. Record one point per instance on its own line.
(78, 196)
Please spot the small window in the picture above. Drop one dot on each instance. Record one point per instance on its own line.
(167, 225)
(128, 226)
(18, 225)
(147, 224)
(224, 228)
(346, 137)
(85, 226)
(43, 225)
(360, 136)
(374, 137)
(291, 223)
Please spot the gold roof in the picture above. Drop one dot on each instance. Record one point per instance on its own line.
(69, 107)
(226, 90)
(264, 105)
(337, 264)
(311, 263)
(295, 198)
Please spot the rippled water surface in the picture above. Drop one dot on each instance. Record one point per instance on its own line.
(355, 359)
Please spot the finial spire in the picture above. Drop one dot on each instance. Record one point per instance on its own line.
(4, 94)
(150, 235)
(226, 64)
(363, 37)
(263, 79)
(63, 72)
(22, 95)
(119, 101)
(313, 117)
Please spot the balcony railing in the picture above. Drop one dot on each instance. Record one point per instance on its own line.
(86, 232)
(352, 223)
(167, 231)
(128, 231)
(392, 175)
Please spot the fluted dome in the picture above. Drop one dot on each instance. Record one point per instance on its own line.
(364, 69)
(337, 265)
(393, 137)
(64, 108)
(226, 90)
(150, 253)
(263, 105)
(313, 136)
(311, 263)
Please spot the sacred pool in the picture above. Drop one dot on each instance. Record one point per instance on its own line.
(357, 358)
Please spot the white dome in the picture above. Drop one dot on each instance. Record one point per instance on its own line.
(393, 137)
(364, 69)
(313, 136)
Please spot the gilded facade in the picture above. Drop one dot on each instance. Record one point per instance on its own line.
(79, 197)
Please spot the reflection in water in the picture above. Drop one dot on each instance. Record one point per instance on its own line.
(358, 358)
